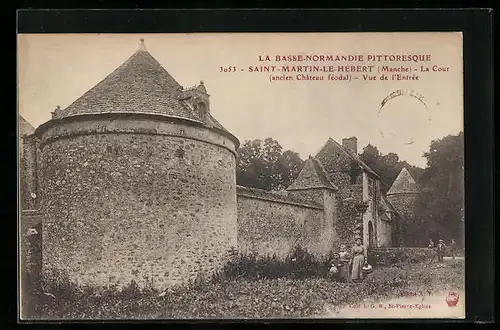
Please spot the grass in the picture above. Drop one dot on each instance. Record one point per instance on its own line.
(241, 297)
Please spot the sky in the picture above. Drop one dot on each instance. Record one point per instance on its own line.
(55, 69)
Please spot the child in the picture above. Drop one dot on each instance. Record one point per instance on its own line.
(335, 265)
(345, 260)
(440, 249)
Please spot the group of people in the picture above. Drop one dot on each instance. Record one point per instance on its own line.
(441, 248)
(348, 265)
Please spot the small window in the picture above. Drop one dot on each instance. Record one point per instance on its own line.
(370, 187)
(202, 110)
(354, 171)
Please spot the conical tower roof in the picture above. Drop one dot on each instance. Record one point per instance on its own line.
(25, 128)
(140, 85)
(311, 176)
(404, 184)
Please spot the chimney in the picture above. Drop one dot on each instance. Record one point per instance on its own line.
(351, 144)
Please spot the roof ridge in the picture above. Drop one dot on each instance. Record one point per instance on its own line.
(278, 196)
(323, 177)
(351, 155)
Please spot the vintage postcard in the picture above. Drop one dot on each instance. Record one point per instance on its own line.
(241, 176)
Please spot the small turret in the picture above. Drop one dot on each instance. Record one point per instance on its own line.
(56, 111)
(402, 195)
(197, 100)
(312, 183)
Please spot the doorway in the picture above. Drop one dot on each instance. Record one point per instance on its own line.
(371, 242)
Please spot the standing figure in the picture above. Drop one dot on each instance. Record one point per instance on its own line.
(431, 244)
(453, 248)
(358, 261)
(440, 250)
(335, 267)
(345, 263)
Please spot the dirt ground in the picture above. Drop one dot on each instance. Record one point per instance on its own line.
(421, 305)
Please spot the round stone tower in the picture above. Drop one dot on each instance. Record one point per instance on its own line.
(402, 196)
(138, 181)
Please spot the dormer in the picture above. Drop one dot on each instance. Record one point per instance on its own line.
(198, 100)
(56, 111)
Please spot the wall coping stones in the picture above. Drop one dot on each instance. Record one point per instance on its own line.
(276, 197)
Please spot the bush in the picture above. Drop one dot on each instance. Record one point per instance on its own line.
(63, 299)
(281, 290)
(393, 256)
(298, 264)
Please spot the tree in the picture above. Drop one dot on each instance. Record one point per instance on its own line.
(440, 205)
(264, 165)
(387, 166)
(289, 166)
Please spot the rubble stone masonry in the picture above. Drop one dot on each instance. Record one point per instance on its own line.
(152, 201)
(268, 226)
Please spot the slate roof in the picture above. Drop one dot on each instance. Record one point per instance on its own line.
(404, 184)
(311, 176)
(139, 85)
(386, 205)
(353, 156)
(25, 128)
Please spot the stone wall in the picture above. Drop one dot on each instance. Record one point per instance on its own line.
(338, 165)
(315, 195)
(275, 224)
(384, 233)
(137, 199)
(29, 162)
(30, 247)
(345, 174)
(29, 219)
(405, 205)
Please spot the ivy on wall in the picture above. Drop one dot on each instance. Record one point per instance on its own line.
(350, 221)
(354, 171)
